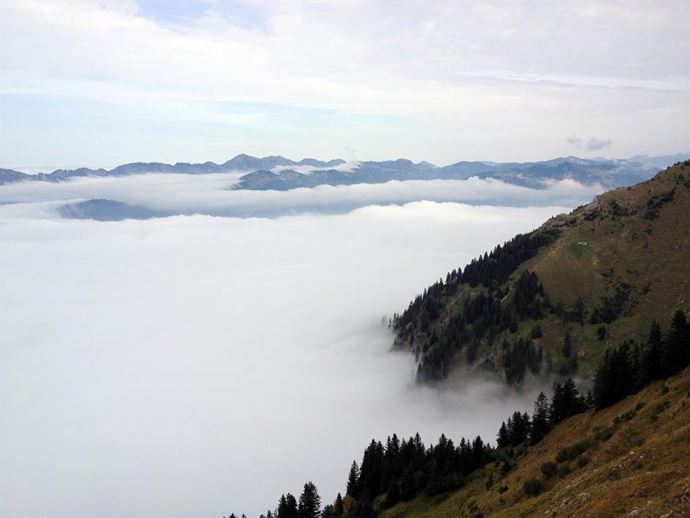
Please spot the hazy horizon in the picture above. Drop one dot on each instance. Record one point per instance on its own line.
(35, 168)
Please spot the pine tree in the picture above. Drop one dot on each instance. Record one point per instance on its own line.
(287, 507)
(309, 502)
(652, 357)
(566, 401)
(540, 419)
(677, 351)
(502, 439)
(339, 507)
(353, 481)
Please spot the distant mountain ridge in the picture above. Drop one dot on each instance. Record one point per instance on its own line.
(241, 162)
(279, 173)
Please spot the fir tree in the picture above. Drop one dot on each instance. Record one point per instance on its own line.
(309, 502)
(652, 368)
(566, 401)
(540, 419)
(287, 507)
(502, 440)
(353, 481)
(338, 507)
(677, 353)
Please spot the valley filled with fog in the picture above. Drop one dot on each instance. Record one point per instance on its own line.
(195, 365)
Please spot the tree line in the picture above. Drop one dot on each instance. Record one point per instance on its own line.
(482, 316)
(400, 470)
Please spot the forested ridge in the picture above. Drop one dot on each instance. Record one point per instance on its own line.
(549, 302)
(400, 470)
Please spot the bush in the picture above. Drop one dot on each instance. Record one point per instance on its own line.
(661, 407)
(502, 489)
(625, 417)
(563, 470)
(582, 461)
(603, 435)
(533, 487)
(572, 452)
(549, 469)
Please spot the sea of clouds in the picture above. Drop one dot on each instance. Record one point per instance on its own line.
(213, 194)
(200, 365)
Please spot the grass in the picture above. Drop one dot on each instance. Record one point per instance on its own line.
(578, 250)
(636, 464)
(618, 250)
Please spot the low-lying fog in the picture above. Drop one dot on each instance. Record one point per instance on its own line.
(213, 194)
(197, 366)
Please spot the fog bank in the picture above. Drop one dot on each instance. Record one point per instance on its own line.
(197, 366)
(212, 194)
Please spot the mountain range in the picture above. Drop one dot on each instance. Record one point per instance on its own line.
(280, 173)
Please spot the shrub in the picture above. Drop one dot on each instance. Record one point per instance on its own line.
(661, 407)
(549, 469)
(533, 487)
(603, 435)
(563, 470)
(573, 451)
(582, 461)
(502, 489)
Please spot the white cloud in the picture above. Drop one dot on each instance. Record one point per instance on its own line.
(479, 71)
(591, 144)
(211, 194)
(162, 368)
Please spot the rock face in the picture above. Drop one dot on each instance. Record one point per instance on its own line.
(551, 301)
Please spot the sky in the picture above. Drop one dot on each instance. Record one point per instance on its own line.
(103, 82)
(194, 366)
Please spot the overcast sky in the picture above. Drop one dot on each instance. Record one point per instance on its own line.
(109, 81)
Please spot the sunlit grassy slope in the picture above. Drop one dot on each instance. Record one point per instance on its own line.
(637, 464)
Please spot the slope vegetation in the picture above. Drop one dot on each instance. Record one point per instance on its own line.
(631, 459)
(553, 300)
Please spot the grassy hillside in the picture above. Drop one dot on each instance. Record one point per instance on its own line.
(636, 462)
(603, 273)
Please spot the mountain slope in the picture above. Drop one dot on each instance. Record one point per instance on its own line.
(637, 464)
(551, 301)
